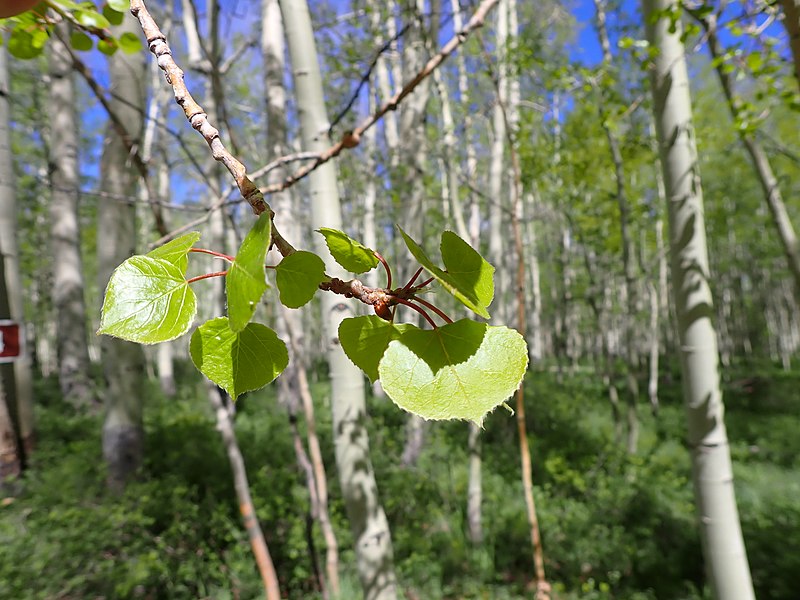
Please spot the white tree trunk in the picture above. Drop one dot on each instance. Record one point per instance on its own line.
(359, 489)
(68, 285)
(723, 547)
(123, 362)
(18, 379)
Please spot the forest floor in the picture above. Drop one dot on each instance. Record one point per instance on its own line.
(613, 525)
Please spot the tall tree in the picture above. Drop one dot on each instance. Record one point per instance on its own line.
(723, 547)
(373, 543)
(123, 362)
(16, 376)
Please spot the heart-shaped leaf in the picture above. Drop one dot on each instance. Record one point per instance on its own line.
(467, 275)
(352, 255)
(246, 281)
(298, 277)
(462, 370)
(365, 339)
(176, 251)
(238, 361)
(147, 301)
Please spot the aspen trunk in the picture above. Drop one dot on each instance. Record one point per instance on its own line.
(17, 376)
(359, 489)
(123, 362)
(723, 547)
(68, 284)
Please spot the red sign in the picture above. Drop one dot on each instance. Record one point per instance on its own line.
(10, 341)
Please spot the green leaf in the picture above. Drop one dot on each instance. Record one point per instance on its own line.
(365, 339)
(80, 41)
(298, 277)
(246, 281)
(147, 301)
(353, 256)
(467, 275)
(115, 16)
(121, 6)
(238, 361)
(91, 18)
(130, 43)
(23, 44)
(176, 251)
(108, 46)
(462, 370)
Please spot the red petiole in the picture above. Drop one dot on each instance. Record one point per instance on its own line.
(230, 259)
(416, 308)
(207, 276)
(412, 280)
(388, 270)
(433, 308)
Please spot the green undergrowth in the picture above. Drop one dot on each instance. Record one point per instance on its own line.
(613, 526)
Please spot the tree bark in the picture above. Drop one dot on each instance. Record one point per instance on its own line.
(123, 362)
(791, 21)
(17, 376)
(359, 489)
(723, 547)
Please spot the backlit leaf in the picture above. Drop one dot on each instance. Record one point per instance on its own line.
(298, 277)
(147, 301)
(238, 361)
(246, 281)
(365, 339)
(462, 370)
(130, 43)
(80, 41)
(349, 253)
(176, 251)
(467, 275)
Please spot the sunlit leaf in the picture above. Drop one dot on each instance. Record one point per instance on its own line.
(467, 275)
(80, 41)
(298, 277)
(246, 281)
(147, 301)
(352, 255)
(462, 370)
(238, 361)
(130, 43)
(176, 251)
(365, 339)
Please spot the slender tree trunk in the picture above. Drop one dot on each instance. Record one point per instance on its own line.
(761, 163)
(359, 489)
(17, 376)
(628, 251)
(123, 362)
(723, 547)
(791, 21)
(68, 285)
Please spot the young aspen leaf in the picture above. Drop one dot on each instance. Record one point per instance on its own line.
(177, 250)
(353, 256)
(462, 370)
(365, 339)
(147, 301)
(298, 277)
(238, 361)
(246, 281)
(467, 275)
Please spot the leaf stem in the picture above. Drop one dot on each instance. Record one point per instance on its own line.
(207, 276)
(388, 270)
(412, 280)
(424, 283)
(230, 259)
(416, 308)
(433, 308)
